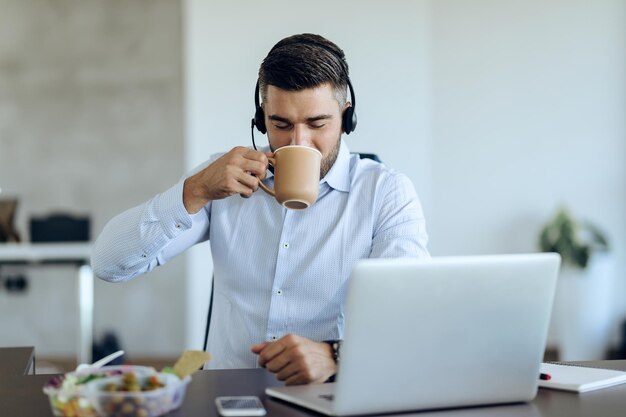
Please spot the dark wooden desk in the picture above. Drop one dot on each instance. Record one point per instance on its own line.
(17, 361)
(21, 395)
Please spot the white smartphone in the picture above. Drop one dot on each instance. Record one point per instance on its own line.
(239, 406)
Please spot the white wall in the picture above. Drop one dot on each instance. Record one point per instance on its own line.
(529, 112)
(527, 103)
(497, 110)
(386, 45)
(91, 123)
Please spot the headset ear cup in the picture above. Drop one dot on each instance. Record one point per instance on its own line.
(259, 120)
(349, 120)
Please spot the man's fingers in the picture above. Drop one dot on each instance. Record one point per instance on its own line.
(256, 168)
(241, 183)
(253, 155)
(259, 347)
(278, 362)
(296, 379)
(287, 372)
(296, 360)
(270, 352)
(248, 180)
(235, 185)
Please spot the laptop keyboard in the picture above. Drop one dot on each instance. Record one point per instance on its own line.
(328, 397)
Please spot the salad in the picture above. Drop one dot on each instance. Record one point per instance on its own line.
(66, 392)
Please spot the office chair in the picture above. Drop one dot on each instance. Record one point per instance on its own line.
(371, 156)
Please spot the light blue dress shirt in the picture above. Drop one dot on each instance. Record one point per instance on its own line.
(276, 271)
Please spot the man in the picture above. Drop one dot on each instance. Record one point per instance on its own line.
(280, 276)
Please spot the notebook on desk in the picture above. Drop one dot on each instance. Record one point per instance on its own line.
(438, 333)
(578, 378)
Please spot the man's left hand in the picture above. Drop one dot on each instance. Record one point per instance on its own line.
(297, 360)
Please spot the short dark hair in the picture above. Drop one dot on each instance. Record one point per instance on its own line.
(305, 61)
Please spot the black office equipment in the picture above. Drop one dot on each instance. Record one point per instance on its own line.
(59, 228)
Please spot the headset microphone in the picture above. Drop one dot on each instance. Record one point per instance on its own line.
(252, 132)
(252, 126)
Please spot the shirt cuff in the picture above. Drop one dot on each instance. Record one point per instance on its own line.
(170, 211)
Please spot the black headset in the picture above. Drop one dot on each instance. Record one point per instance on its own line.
(348, 119)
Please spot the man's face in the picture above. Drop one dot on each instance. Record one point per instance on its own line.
(310, 117)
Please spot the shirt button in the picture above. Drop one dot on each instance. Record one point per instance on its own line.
(273, 337)
(286, 245)
(279, 292)
(143, 255)
(178, 226)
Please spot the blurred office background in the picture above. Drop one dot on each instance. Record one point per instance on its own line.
(499, 111)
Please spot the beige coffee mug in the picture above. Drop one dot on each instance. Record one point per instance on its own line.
(296, 176)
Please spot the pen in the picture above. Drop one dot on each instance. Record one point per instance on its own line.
(545, 377)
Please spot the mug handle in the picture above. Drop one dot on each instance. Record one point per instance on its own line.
(265, 187)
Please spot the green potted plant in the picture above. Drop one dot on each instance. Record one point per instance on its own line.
(582, 315)
(575, 241)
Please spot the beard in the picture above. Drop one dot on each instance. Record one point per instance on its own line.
(329, 160)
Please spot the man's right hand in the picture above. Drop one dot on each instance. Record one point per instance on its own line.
(236, 172)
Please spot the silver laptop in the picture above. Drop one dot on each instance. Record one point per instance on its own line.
(438, 333)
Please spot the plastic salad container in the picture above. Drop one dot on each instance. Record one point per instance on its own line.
(143, 396)
(67, 392)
